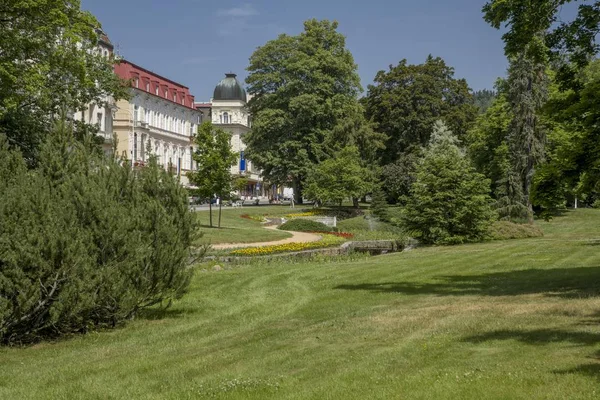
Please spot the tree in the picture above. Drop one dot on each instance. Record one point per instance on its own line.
(47, 63)
(214, 158)
(483, 99)
(406, 101)
(569, 44)
(379, 205)
(399, 176)
(303, 87)
(339, 178)
(86, 242)
(487, 142)
(450, 202)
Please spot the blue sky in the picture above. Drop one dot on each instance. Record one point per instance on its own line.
(195, 42)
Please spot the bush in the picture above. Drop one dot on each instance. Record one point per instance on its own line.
(304, 225)
(504, 230)
(85, 242)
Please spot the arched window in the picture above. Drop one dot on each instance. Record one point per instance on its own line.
(225, 118)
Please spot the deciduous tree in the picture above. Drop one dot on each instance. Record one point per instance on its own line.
(303, 87)
(214, 158)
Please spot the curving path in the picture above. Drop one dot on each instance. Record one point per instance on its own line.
(297, 237)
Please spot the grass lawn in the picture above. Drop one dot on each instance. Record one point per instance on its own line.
(235, 229)
(517, 319)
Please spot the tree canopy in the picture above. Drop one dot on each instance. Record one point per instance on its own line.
(303, 87)
(214, 159)
(47, 64)
(405, 101)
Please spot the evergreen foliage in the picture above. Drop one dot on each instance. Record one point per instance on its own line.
(379, 205)
(483, 99)
(449, 201)
(85, 242)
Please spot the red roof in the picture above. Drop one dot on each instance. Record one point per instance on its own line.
(152, 83)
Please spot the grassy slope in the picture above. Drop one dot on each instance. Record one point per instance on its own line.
(515, 319)
(239, 230)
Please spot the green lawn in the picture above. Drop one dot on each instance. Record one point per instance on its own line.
(235, 229)
(516, 319)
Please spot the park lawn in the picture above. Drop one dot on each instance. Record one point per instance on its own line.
(515, 319)
(235, 229)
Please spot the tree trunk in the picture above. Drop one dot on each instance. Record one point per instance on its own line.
(355, 202)
(210, 211)
(220, 205)
(297, 186)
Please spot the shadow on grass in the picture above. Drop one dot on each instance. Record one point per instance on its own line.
(541, 337)
(590, 370)
(155, 314)
(538, 337)
(580, 282)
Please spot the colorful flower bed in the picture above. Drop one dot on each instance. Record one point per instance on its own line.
(345, 235)
(326, 241)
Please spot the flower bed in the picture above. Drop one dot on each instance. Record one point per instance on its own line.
(326, 241)
(345, 235)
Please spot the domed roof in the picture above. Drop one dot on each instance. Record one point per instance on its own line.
(230, 89)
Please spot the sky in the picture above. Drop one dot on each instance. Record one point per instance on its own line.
(195, 42)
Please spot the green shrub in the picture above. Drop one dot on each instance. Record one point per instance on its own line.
(85, 242)
(304, 225)
(504, 230)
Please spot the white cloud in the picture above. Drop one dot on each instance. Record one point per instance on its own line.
(244, 11)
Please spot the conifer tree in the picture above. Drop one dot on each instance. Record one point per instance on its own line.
(449, 201)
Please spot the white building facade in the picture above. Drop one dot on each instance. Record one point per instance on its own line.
(160, 119)
(229, 112)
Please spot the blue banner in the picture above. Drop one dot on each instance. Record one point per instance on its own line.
(242, 162)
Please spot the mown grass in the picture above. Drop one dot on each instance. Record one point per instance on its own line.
(235, 229)
(515, 319)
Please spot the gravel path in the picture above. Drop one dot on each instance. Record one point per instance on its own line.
(297, 237)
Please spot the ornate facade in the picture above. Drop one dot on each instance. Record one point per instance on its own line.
(229, 111)
(159, 119)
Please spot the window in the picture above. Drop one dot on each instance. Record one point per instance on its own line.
(147, 86)
(183, 100)
(156, 90)
(136, 82)
(136, 109)
(225, 118)
(175, 97)
(191, 158)
(166, 94)
(134, 146)
(147, 116)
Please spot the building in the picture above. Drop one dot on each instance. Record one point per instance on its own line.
(160, 119)
(228, 111)
(97, 114)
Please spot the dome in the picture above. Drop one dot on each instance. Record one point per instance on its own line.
(229, 89)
